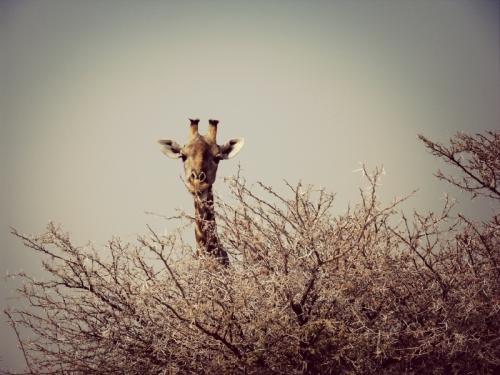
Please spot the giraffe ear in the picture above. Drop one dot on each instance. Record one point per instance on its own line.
(231, 147)
(170, 148)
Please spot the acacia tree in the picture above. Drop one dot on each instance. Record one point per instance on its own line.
(370, 291)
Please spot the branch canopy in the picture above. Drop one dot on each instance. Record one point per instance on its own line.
(309, 291)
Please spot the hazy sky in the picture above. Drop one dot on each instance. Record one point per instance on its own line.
(86, 87)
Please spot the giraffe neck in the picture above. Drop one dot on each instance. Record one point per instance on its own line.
(206, 228)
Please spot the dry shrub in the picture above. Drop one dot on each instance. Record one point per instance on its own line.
(370, 291)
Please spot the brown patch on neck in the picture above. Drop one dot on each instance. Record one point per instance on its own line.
(204, 207)
(206, 229)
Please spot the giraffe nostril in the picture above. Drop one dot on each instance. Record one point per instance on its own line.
(192, 176)
(202, 176)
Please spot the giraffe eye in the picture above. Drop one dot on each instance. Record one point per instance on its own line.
(184, 157)
(217, 158)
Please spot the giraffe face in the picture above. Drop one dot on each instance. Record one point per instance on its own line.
(201, 160)
(201, 156)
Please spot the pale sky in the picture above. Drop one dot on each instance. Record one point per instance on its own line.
(315, 88)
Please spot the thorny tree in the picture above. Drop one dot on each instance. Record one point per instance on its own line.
(368, 292)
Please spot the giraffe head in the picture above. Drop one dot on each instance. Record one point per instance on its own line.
(201, 156)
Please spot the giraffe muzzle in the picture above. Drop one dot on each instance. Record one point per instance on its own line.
(197, 177)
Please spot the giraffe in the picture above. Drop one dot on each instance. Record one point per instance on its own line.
(201, 156)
